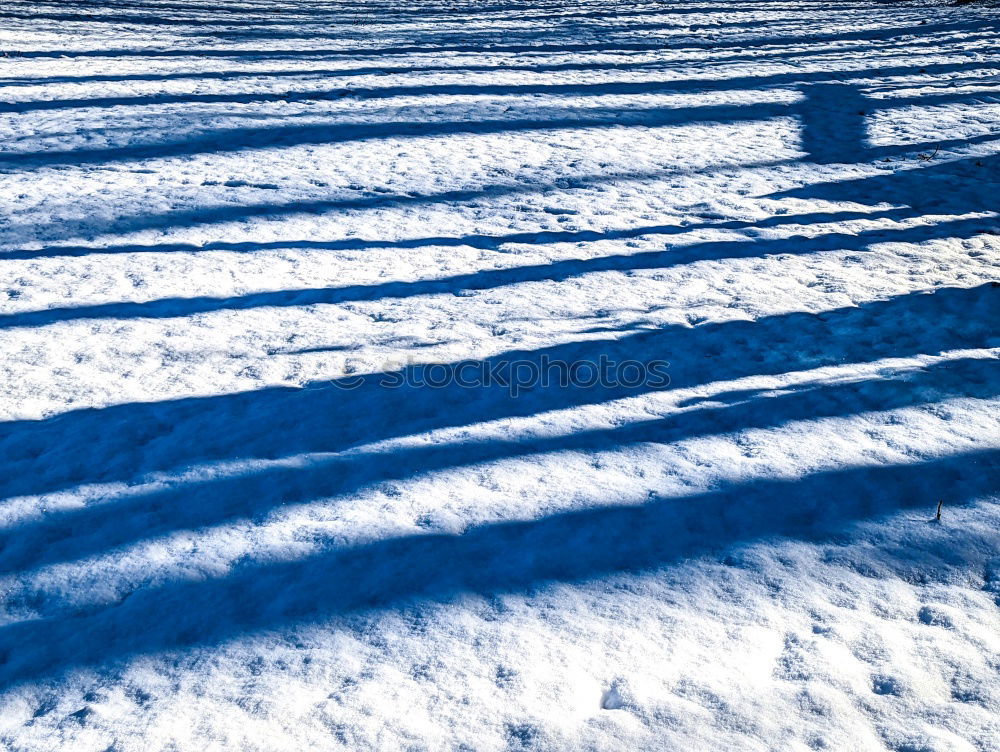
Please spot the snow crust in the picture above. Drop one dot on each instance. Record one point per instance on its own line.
(236, 240)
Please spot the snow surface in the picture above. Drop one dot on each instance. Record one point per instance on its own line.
(228, 229)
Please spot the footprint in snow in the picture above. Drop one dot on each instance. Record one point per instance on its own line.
(886, 685)
(935, 617)
(616, 696)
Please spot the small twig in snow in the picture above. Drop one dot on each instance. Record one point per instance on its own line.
(929, 157)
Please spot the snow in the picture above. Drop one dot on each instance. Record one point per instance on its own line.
(253, 251)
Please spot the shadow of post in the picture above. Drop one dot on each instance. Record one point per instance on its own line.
(833, 123)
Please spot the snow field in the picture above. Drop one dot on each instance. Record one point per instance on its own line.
(225, 227)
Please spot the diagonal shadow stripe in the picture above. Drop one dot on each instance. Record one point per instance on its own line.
(102, 527)
(226, 140)
(511, 557)
(885, 34)
(124, 442)
(236, 211)
(487, 242)
(556, 271)
(205, 215)
(604, 65)
(759, 84)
